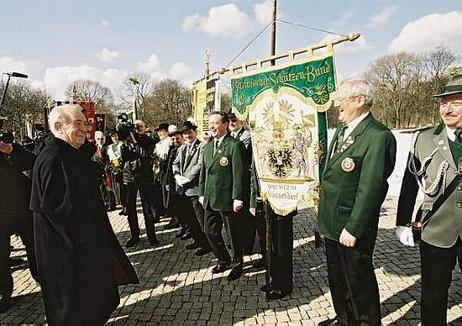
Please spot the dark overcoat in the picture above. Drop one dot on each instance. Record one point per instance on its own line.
(79, 259)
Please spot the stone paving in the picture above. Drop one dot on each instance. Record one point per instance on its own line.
(178, 288)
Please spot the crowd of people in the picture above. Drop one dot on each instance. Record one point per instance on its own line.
(57, 199)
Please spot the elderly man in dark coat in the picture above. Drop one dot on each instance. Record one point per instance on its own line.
(79, 259)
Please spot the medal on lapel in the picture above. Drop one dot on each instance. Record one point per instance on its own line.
(224, 161)
(348, 164)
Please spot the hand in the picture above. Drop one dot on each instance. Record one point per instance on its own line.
(237, 205)
(167, 187)
(201, 200)
(177, 179)
(405, 236)
(253, 211)
(6, 148)
(347, 239)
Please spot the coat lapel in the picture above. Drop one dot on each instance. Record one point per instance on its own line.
(220, 150)
(191, 154)
(349, 141)
(441, 141)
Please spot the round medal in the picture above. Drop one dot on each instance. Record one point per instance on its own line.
(348, 164)
(224, 161)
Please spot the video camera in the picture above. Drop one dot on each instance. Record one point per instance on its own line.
(124, 127)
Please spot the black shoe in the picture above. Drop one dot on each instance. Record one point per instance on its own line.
(154, 242)
(220, 268)
(202, 251)
(235, 273)
(186, 236)
(192, 246)
(332, 322)
(132, 242)
(276, 294)
(5, 305)
(259, 263)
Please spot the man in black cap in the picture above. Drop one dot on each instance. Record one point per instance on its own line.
(435, 166)
(186, 169)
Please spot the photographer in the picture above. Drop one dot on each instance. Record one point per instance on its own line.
(136, 153)
(15, 215)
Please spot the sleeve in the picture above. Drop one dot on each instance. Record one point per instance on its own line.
(202, 177)
(55, 200)
(21, 158)
(238, 171)
(378, 163)
(408, 193)
(254, 188)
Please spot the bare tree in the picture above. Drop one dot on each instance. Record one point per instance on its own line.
(170, 102)
(23, 105)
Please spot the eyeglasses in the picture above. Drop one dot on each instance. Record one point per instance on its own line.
(341, 100)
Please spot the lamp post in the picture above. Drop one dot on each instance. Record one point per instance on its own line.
(134, 81)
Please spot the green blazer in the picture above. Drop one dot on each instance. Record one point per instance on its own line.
(222, 177)
(354, 183)
(444, 227)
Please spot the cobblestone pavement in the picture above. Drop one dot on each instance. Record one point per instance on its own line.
(178, 288)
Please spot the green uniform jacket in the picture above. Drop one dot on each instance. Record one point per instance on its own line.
(354, 184)
(445, 226)
(222, 177)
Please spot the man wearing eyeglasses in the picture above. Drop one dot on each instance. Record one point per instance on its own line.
(360, 158)
(434, 163)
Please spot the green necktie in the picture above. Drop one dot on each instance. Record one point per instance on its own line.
(458, 134)
(340, 135)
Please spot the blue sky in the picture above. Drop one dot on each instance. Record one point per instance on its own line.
(56, 42)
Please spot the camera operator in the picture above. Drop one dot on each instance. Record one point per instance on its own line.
(16, 217)
(137, 161)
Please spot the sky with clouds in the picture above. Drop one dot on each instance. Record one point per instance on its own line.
(58, 41)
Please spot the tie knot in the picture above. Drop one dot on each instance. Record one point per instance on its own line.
(458, 133)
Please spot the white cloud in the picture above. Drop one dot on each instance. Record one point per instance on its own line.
(57, 79)
(264, 12)
(428, 31)
(104, 23)
(106, 55)
(190, 22)
(8, 64)
(180, 70)
(382, 17)
(360, 44)
(149, 65)
(222, 21)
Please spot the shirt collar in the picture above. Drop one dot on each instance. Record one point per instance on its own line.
(236, 132)
(353, 124)
(451, 134)
(219, 140)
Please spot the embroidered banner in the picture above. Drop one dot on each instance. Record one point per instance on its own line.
(285, 107)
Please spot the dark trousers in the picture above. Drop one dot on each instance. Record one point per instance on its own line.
(260, 225)
(352, 282)
(187, 214)
(236, 225)
(146, 194)
(282, 249)
(6, 280)
(437, 265)
(213, 226)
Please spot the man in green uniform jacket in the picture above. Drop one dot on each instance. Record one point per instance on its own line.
(222, 183)
(360, 159)
(434, 162)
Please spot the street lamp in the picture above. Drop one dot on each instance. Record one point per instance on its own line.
(134, 81)
(2, 103)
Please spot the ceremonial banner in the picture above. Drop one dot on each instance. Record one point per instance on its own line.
(285, 106)
(199, 104)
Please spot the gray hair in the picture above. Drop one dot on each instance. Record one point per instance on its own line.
(62, 113)
(357, 87)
